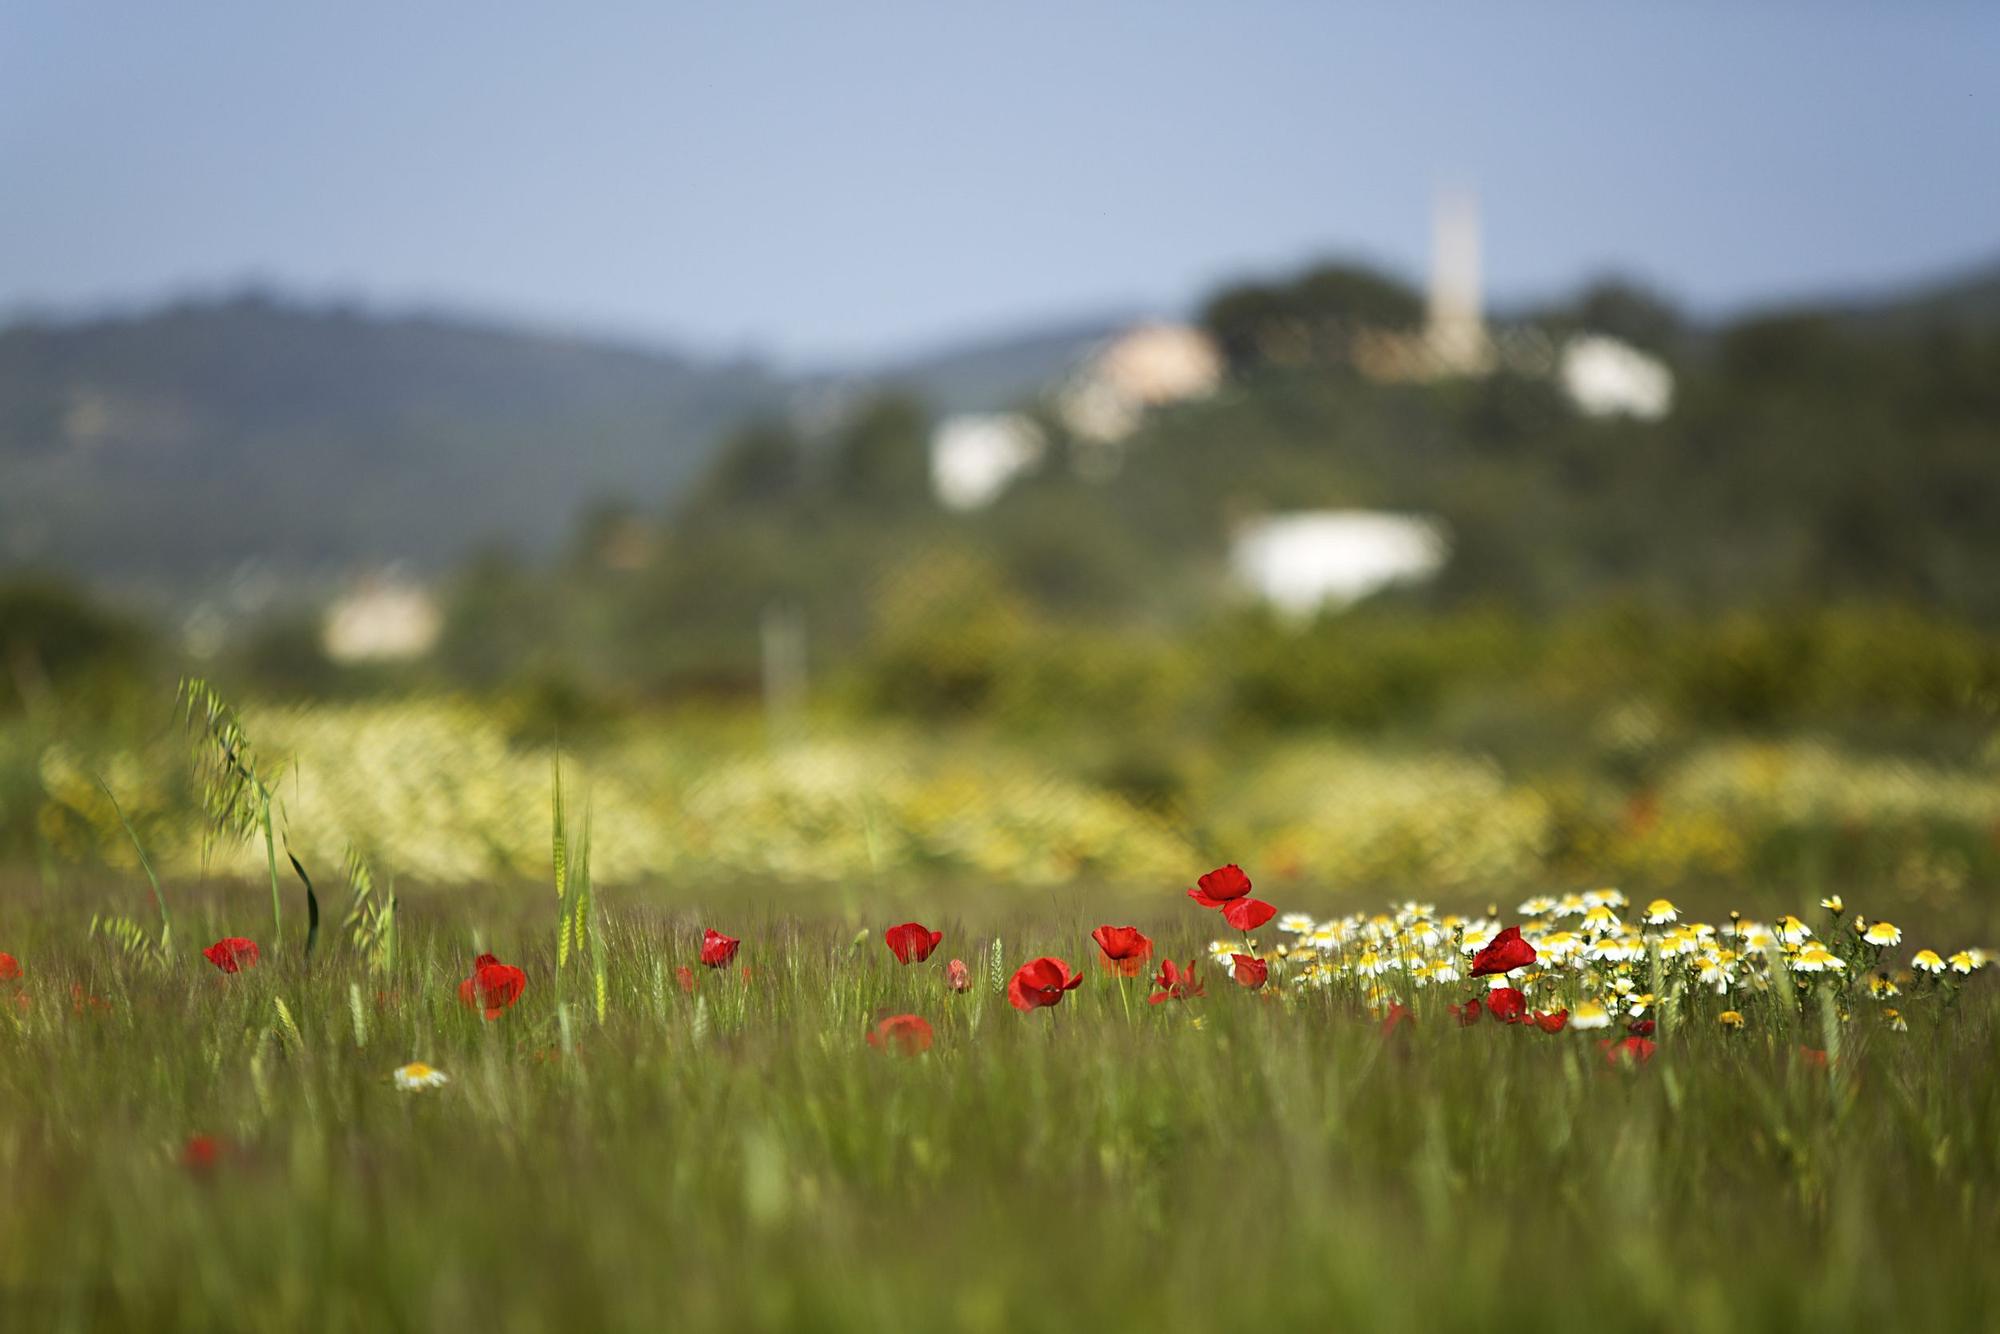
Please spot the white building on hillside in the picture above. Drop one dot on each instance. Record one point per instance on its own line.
(1606, 378)
(384, 619)
(975, 455)
(1147, 366)
(1304, 561)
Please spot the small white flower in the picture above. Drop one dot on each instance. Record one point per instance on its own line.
(1296, 923)
(1600, 920)
(1589, 1015)
(1814, 957)
(1559, 948)
(417, 1076)
(1371, 964)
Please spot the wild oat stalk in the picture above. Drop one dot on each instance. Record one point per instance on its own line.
(371, 921)
(132, 940)
(237, 800)
(166, 943)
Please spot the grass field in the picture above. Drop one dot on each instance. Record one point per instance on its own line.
(738, 1156)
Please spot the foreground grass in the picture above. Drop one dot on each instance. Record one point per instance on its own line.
(740, 1158)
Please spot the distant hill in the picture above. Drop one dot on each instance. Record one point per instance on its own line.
(998, 372)
(1969, 298)
(159, 452)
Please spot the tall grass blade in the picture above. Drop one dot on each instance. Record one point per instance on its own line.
(312, 903)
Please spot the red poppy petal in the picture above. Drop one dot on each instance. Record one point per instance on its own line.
(1225, 882)
(1248, 914)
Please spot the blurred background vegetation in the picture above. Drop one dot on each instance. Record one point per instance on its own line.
(1756, 633)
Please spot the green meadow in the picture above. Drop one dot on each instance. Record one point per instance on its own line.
(617, 1151)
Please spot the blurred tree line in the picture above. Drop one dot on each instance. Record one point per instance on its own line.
(1810, 535)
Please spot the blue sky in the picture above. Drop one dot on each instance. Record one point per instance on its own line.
(851, 179)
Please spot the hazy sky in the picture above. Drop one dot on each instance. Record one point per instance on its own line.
(855, 177)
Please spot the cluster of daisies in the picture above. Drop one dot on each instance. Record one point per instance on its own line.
(1603, 964)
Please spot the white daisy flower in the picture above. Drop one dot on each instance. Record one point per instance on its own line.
(1560, 947)
(416, 1076)
(1600, 920)
(1588, 1015)
(1814, 957)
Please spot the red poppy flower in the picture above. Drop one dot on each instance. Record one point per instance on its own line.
(1250, 972)
(1506, 1004)
(1503, 954)
(1640, 1028)
(232, 954)
(717, 949)
(1468, 1013)
(1248, 914)
(1632, 1051)
(10, 968)
(1176, 983)
(957, 976)
(1040, 982)
(493, 985)
(201, 1153)
(1122, 949)
(1220, 886)
(685, 975)
(1551, 1021)
(81, 1000)
(906, 1033)
(912, 942)
(1396, 1016)
(1813, 1057)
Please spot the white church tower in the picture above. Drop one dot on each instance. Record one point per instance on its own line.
(1455, 328)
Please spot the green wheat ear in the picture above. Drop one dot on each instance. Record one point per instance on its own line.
(358, 1015)
(996, 968)
(559, 857)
